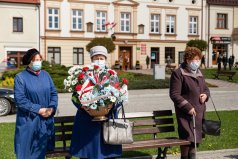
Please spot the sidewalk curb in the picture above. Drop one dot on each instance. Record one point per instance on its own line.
(226, 153)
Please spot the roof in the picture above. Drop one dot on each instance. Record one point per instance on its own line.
(223, 2)
(22, 1)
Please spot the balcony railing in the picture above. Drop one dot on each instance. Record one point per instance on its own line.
(223, 2)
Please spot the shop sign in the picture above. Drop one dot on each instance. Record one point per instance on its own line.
(225, 38)
(143, 49)
(220, 40)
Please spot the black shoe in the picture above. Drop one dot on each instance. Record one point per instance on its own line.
(184, 157)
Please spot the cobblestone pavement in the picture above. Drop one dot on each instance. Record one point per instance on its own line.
(217, 154)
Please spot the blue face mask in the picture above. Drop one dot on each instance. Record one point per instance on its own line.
(194, 65)
(36, 65)
(100, 63)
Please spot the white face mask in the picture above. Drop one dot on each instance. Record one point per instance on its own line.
(194, 65)
(100, 63)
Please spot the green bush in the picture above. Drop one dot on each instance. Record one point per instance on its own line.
(106, 42)
(142, 81)
(200, 44)
(57, 72)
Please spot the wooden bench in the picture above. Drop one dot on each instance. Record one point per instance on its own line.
(170, 68)
(149, 126)
(228, 74)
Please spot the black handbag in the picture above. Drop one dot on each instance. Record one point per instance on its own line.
(212, 127)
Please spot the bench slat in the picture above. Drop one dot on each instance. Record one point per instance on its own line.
(58, 152)
(64, 119)
(65, 128)
(162, 113)
(153, 130)
(153, 122)
(154, 144)
(60, 137)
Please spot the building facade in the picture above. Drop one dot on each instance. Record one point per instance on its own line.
(221, 30)
(155, 28)
(19, 30)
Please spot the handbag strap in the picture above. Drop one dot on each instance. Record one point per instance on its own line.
(215, 108)
(123, 114)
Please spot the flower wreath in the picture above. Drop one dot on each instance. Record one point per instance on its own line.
(93, 87)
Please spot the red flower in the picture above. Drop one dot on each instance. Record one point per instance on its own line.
(85, 69)
(116, 85)
(124, 81)
(111, 72)
(81, 76)
(78, 87)
(96, 67)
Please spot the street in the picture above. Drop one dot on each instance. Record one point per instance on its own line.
(149, 100)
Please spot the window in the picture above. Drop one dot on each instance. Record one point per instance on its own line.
(77, 19)
(89, 27)
(53, 18)
(170, 24)
(221, 21)
(101, 20)
(170, 51)
(193, 25)
(17, 24)
(125, 22)
(55, 53)
(78, 56)
(141, 29)
(154, 22)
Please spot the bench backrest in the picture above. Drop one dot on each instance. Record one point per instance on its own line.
(63, 131)
(159, 122)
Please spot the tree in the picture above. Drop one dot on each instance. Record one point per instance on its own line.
(106, 42)
(200, 44)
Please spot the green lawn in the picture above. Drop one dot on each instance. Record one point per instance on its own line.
(208, 73)
(227, 140)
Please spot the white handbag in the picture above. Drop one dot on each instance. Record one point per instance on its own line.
(118, 131)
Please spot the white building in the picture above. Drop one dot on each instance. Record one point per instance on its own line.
(19, 29)
(221, 24)
(154, 28)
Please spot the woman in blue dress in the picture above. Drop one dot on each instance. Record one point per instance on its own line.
(36, 100)
(87, 140)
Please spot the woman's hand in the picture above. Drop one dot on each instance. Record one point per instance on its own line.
(85, 108)
(46, 112)
(192, 112)
(43, 112)
(203, 98)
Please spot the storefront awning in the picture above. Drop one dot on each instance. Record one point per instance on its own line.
(220, 40)
(215, 38)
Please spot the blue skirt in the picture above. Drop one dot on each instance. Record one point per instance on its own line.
(87, 140)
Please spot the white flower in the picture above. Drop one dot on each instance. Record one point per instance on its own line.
(65, 82)
(93, 106)
(68, 83)
(70, 77)
(113, 99)
(74, 82)
(76, 73)
(70, 89)
(71, 70)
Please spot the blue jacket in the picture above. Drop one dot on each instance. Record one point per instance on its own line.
(87, 140)
(34, 134)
